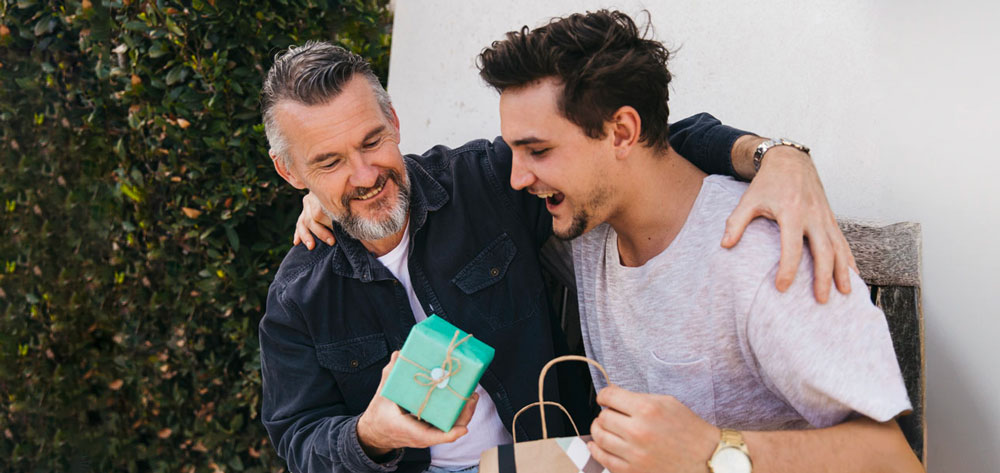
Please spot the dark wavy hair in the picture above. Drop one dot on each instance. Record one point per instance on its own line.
(603, 61)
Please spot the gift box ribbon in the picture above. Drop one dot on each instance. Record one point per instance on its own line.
(450, 367)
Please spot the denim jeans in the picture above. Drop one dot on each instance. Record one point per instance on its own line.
(437, 469)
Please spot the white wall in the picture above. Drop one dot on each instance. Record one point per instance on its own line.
(897, 98)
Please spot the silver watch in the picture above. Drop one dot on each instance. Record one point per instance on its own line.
(762, 148)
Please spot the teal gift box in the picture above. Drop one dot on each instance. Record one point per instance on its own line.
(436, 372)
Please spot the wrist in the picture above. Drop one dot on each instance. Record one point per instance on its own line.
(368, 441)
(742, 155)
(771, 147)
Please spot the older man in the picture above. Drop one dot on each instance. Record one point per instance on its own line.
(439, 233)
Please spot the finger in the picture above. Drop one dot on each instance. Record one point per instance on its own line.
(617, 423)
(609, 461)
(737, 222)
(620, 399)
(388, 369)
(791, 252)
(420, 434)
(841, 266)
(303, 235)
(822, 255)
(608, 440)
(467, 412)
(302, 231)
(321, 232)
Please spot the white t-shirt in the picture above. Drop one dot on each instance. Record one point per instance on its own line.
(486, 430)
(707, 326)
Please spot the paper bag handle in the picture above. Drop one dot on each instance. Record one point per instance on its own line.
(541, 386)
(542, 405)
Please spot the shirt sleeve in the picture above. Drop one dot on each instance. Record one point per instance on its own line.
(704, 141)
(828, 361)
(302, 409)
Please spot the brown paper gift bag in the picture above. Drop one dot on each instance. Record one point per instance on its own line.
(548, 455)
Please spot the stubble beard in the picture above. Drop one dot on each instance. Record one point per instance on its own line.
(582, 216)
(366, 229)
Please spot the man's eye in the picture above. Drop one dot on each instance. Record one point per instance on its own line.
(539, 152)
(331, 164)
(372, 144)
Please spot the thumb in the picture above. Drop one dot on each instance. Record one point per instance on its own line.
(738, 221)
(387, 369)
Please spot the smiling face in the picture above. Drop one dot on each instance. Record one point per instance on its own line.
(555, 160)
(346, 152)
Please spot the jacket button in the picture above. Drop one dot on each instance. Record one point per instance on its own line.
(494, 272)
(354, 363)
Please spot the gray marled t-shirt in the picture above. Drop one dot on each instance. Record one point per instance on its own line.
(707, 326)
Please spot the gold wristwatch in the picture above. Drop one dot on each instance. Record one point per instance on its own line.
(731, 455)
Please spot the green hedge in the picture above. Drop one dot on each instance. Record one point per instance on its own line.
(141, 225)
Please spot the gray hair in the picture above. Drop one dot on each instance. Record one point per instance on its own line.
(312, 74)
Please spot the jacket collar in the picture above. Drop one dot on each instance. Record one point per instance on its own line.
(352, 260)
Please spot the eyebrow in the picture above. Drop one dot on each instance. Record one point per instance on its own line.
(322, 156)
(527, 141)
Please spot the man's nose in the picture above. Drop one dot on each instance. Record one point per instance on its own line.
(364, 173)
(520, 176)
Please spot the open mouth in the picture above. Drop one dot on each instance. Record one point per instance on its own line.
(552, 199)
(373, 192)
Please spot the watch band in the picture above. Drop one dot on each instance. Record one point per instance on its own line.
(731, 439)
(758, 154)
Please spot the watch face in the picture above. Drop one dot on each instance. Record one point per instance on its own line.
(730, 460)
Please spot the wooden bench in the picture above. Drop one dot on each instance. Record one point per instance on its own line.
(888, 257)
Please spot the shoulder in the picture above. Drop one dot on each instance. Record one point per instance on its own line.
(441, 157)
(757, 251)
(300, 262)
(298, 275)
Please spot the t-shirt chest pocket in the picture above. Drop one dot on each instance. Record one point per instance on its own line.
(491, 294)
(357, 365)
(690, 381)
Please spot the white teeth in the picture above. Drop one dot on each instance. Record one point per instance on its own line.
(371, 194)
(546, 196)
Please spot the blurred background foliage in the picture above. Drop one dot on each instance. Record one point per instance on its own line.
(141, 225)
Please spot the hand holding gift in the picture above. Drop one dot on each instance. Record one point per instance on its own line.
(384, 427)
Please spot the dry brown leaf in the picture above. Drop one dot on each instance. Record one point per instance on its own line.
(191, 213)
(164, 433)
(116, 384)
(183, 123)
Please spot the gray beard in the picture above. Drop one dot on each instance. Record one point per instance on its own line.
(369, 230)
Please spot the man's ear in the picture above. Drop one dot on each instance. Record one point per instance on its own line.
(284, 172)
(626, 127)
(395, 123)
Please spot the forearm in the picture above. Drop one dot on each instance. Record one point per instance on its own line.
(329, 444)
(860, 445)
(742, 155)
(706, 142)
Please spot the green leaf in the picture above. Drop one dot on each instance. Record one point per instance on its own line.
(176, 75)
(136, 26)
(234, 239)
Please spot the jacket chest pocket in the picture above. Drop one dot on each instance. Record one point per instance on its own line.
(357, 365)
(499, 299)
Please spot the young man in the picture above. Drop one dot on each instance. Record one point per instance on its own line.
(708, 361)
(440, 233)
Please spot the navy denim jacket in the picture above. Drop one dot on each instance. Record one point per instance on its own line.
(334, 314)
